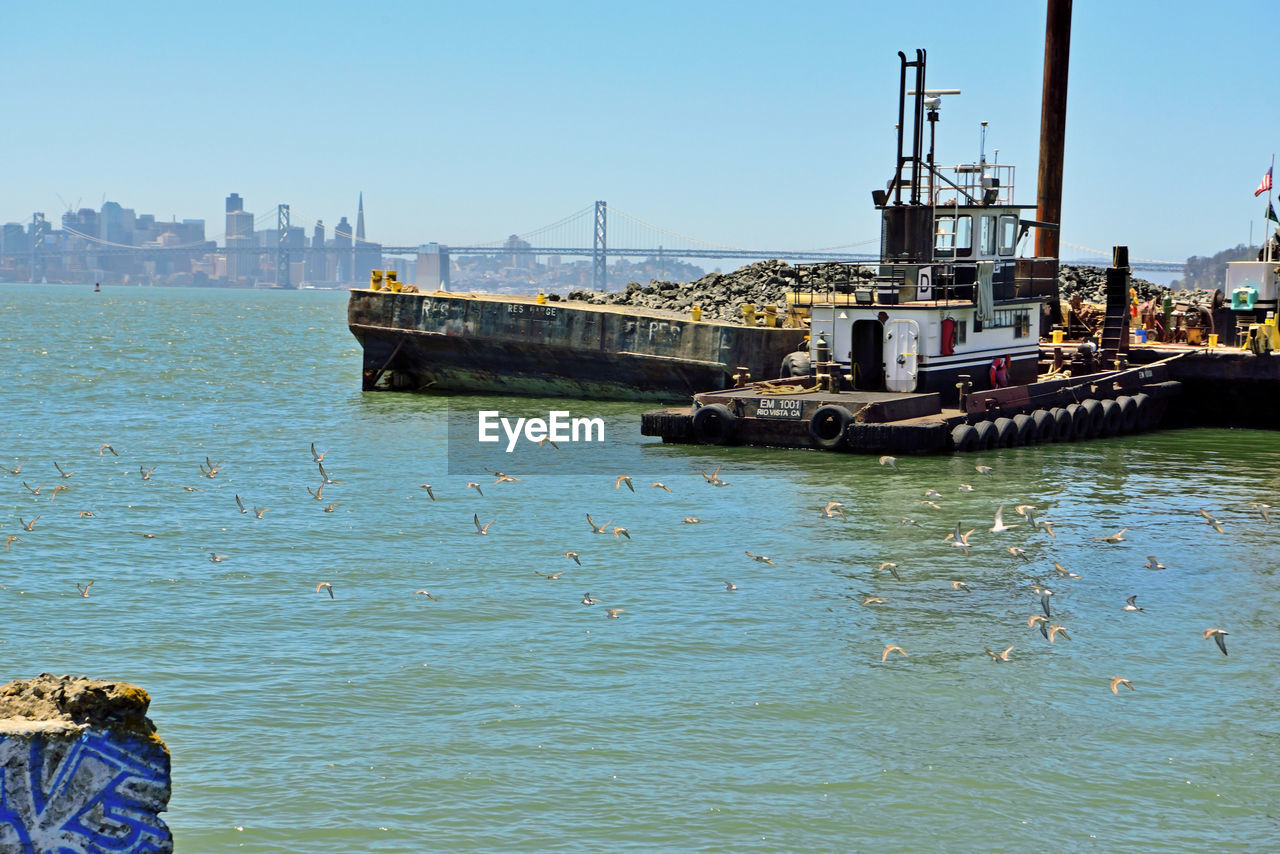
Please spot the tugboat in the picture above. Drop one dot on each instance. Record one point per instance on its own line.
(952, 299)
(941, 350)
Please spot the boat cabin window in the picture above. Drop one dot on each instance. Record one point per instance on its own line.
(987, 237)
(954, 236)
(1019, 319)
(1008, 234)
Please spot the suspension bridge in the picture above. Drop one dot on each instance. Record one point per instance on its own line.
(596, 231)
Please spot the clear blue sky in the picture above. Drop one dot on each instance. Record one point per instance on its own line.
(748, 124)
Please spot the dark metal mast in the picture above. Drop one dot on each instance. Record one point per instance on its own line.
(1053, 125)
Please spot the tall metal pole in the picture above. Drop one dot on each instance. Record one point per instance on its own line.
(599, 269)
(1053, 125)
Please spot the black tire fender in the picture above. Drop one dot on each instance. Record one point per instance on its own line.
(828, 426)
(1079, 422)
(1026, 429)
(1062, 425)
(1128, 413)
(714, 424)
(1146, 410)
(1093, 412)
(987, 435)
(1046, 426)
(964, 438)
(1006, 433)
(1110, 417)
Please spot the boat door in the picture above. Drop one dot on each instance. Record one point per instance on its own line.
(901, 354)
(866, 354)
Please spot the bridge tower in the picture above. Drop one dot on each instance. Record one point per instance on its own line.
(599, 270)
(282, 247)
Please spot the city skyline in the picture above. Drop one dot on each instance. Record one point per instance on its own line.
(736, 124)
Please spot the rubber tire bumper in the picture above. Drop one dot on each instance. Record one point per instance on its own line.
(1046, 426)
(964, 438)
(1096, 418)
(1006, 433)
(714, 424)
(828, 426)
(1128, 413)
(987, 435)
(1111, 418)
(1146, 410)
(1027, 431)
(1062, 426)
(1079, 422)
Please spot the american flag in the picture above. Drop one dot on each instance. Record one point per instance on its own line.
(1264, 186)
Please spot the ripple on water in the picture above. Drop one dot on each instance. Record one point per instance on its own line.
(507, 716)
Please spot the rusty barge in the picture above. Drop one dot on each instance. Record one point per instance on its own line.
(477, 343)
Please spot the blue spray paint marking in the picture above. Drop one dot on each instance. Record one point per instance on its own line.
(94, 795)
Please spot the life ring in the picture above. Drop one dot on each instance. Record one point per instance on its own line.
(1026, 429)
(1006, 433)
(1128, 413)
(714, 424)
(828, 426)
(1046, 426)
(987, 434)
(964, 438)
(1111, 419)
(999, 372)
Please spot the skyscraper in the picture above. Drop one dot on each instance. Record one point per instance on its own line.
(367, 256)
(239, 236)
(342, 241)
(316, 271)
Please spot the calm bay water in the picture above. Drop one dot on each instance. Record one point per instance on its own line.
(508, 716)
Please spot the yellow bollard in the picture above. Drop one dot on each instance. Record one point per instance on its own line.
(771, 315)
(375, 279)
(542, 298)
(696, 312)
(392, 281)
(1213, 339)
(748, 314)
(1056, 334)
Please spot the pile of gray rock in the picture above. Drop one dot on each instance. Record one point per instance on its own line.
(1091, 284)
(721, 295)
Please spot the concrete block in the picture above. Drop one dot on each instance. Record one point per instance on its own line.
(81, 768)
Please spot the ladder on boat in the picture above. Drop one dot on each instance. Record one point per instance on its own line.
(1115, 326)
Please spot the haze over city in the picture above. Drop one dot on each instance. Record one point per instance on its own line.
(742, 124)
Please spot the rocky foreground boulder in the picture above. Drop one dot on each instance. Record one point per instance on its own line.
(722, 295)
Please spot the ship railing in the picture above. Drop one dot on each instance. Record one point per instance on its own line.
(964, 184)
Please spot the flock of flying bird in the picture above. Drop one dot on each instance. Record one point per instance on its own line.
(959, 538)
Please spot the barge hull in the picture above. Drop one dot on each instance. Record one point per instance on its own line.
(470, 344)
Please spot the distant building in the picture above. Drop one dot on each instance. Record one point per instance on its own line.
(366, 256)
(239, 237)
(316, 269)
(519, 260)
(342, 260)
